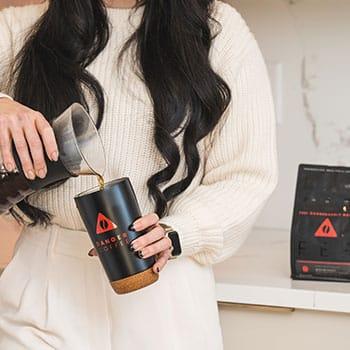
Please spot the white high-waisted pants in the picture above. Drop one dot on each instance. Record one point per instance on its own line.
(54, 296)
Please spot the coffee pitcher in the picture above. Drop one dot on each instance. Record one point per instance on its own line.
(81, 152)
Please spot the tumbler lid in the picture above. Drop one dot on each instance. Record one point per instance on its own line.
(107, 185)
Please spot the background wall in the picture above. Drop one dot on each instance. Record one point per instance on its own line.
(4, 3)
(306, 44)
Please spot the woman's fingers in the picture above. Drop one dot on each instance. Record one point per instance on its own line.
(5, 149)
(36, 148)
(145, 222)
(161, 249)
(23, 152)
(154, 248)
(31, 134)
(153, 235)
(161, 261)
(152, 243)
(47, 135)
(92, 252)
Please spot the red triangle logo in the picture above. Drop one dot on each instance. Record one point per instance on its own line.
(104, 224)
(326, 229)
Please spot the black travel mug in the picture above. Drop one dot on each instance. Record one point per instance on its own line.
(107, 214)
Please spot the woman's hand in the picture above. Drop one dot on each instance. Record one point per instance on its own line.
(154, 242)
(30, 131)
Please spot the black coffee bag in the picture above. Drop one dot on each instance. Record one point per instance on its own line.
(320, 232)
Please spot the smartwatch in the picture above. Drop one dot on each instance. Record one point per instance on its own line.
(175, 240)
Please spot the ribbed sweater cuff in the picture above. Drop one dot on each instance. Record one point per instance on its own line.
(193, 237)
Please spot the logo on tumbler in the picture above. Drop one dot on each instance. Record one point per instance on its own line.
(104, 224)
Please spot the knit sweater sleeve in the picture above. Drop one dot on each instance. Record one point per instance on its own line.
(241, 170)
(6, 49)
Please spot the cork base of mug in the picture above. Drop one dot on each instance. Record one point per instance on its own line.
(135, 282)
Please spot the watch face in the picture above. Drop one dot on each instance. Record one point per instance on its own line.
(173, 235)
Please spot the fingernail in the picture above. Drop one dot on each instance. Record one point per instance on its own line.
(131, 247)
(30, 174)
(9, 166)
(135, 245)
(42, 173)
(140, 254)
(157, 269)
(137, 225)
(90, 253)
(54, 156)
(131, 227)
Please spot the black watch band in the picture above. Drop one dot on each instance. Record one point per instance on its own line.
(174, 237)
(175, 240)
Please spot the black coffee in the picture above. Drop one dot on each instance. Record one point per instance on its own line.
(101, 181)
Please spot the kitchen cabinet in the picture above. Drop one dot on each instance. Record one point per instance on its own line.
(261, 307)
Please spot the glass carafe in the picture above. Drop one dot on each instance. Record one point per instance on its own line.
(81, 152)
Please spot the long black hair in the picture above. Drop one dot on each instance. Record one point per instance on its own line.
(172, 42)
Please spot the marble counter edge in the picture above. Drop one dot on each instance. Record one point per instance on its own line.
(281, 297)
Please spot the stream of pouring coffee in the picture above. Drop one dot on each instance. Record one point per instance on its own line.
(101, 181)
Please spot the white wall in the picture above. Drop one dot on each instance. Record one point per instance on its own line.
(4, 3)
(311, 41)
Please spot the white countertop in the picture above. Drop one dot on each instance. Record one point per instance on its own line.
(259, 273)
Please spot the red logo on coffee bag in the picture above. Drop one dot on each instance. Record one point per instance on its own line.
(104, 224)
(326, 229)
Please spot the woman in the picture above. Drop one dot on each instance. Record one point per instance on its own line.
(180, 94)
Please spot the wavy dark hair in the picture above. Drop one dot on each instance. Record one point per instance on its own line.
(172, 42)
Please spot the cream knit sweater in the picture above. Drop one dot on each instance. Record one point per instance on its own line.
(239, 170)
